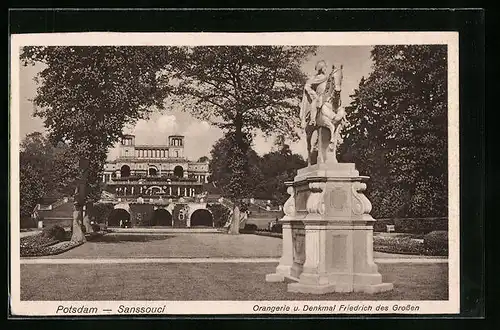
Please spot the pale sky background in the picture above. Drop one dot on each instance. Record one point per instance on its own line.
(200, 136)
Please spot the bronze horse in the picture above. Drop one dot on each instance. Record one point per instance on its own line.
(330, 118)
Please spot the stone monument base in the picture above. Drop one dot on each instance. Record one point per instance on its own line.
(281, 274)
(329, 288)
(328, 234)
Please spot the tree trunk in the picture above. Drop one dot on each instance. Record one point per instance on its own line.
(235, 223)
(238, 132)
(77, 231)
(86, 218)
(243, 221)
(78, 234)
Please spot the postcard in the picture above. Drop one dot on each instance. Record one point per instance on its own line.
(312, 173)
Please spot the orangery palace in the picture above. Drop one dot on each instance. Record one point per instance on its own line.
(154, 171)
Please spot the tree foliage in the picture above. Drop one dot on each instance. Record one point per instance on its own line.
(276, 168)
(30, 189)
(230, 169)
(87, 94)
(266, 175)
(398, 131)
(46, 171)
(241, 89)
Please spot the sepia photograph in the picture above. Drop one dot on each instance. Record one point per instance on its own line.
(208, 173)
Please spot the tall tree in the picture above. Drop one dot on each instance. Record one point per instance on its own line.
(398, 130)
(223, 155)
(87, 94)
(46, 170)
(242, 89)
(267, 174)
(36, 152)
(31, 189)
(277, 167)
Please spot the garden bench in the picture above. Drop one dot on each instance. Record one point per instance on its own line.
(390, 228)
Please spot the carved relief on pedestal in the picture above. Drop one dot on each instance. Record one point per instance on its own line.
(315, 202)
(301, 195)
(299, 241)
(289, 206)
(338, 199)
(361, 204)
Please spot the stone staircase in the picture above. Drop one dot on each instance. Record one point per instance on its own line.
(60, 212)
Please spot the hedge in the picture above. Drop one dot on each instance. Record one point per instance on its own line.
(420, 225)
(437, 241)
(412, 225)
(381, 225)
(250, 228)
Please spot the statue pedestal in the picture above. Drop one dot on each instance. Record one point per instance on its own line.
(328, 233)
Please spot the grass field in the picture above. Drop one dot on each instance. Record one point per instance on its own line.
(178, 246)
(184, 246)
(209, 281)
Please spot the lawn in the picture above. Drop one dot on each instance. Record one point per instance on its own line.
(205, 281)
(186, 246)
(177, 245)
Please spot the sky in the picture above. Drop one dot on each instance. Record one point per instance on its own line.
(200, 136)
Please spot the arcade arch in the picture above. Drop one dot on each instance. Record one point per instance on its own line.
(161, 217)
(202, 217)
(118, 215)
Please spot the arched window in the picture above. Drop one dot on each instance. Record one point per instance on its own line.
(155, 191)
(152, 171)
(125, 171)
(179, 171)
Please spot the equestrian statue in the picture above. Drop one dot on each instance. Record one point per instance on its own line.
(321, 111)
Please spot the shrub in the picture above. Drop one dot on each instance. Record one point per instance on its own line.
(401, 244)
(436, 241)
(277, 228)
(101, 212)
(54, 232)
(220, 214)
(420, 225)
(50, 248)
(250, 227)
(96, 227)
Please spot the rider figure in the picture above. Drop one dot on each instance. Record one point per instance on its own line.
(313, 94)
